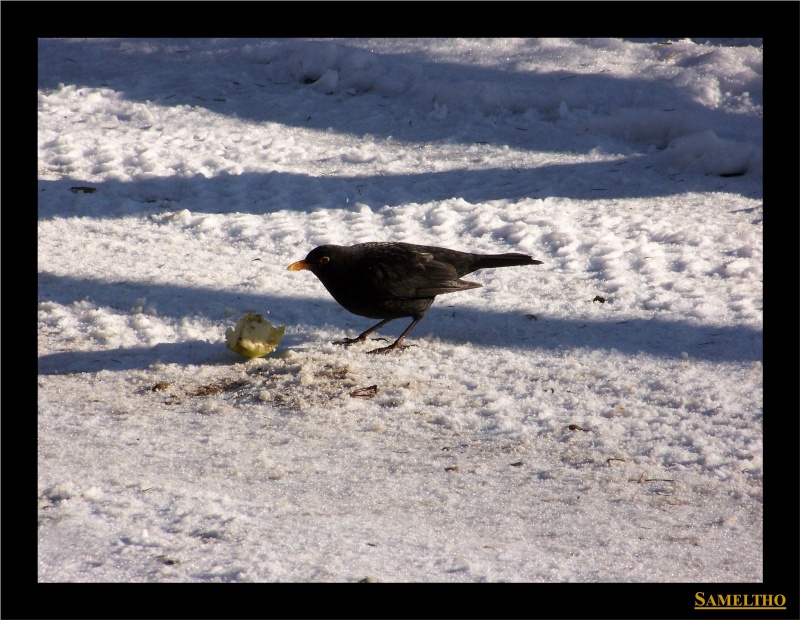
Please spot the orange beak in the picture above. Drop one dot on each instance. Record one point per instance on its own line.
(299, 266)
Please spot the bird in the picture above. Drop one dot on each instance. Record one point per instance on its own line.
(392, 280)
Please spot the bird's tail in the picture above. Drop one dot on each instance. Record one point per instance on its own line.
(512, 259)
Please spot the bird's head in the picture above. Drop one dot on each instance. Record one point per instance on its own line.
(316, 259)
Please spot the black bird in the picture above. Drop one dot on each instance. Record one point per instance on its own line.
(389, 281)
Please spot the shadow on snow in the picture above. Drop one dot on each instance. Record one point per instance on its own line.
(270, 192)
(444, 321)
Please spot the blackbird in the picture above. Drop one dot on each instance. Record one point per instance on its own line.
(389, 281)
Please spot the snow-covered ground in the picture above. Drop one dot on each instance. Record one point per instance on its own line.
(596, 418)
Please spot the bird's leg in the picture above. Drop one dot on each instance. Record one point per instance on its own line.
(396, 344)
(361, 338)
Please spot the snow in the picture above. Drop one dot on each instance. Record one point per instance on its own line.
(596, 418)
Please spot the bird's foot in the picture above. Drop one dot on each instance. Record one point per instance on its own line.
(348, 341)
(390, 348)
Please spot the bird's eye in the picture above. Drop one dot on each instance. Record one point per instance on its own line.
(324, 259)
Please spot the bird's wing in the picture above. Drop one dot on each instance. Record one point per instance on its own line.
(412, 274)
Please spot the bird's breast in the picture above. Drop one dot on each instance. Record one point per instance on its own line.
(366, 296)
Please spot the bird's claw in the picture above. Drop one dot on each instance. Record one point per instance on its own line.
(348, 341)
(390, 348)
